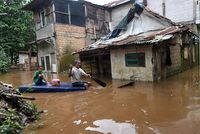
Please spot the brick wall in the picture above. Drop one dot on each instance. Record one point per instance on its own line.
(175, 52)
(68, 39)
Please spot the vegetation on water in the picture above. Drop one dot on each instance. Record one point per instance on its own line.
(17, 29)
(15, 112)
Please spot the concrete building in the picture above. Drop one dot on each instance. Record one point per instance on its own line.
(150, 47)
(63, 26)
(185, 12)
(25, 58)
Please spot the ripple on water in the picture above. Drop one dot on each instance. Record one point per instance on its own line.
(106, 126)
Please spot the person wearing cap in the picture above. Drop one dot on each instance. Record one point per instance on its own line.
(38, 77)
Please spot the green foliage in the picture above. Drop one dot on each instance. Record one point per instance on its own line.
(4, 62)
(65, 61)
(16, 27)
(11, 124)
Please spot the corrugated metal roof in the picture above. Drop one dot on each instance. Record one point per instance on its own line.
(150, 37)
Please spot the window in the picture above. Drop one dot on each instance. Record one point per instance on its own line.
(70, 12)
(42, 18)
(46, 62)
(135, 59)
(42, 62)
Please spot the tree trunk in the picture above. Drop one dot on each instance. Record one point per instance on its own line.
(29, 57)
(11, 57)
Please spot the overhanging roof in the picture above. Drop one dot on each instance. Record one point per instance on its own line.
(146, 38)
(34, 4)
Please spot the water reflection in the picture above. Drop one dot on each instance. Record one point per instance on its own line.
(108, 126)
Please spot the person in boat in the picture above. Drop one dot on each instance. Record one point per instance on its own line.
(39, 78)
(76, 73)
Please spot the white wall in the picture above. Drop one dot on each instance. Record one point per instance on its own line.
(118, 13)
(143, 23)
(176, 10)
(119, 69)
(22, 58)
(45, 32)
(198, 13)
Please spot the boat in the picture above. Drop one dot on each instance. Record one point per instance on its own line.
(63, 87)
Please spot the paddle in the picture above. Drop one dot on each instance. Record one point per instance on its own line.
(103, 84)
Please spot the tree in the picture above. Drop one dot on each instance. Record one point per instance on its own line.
(4, 61)
(16, 27)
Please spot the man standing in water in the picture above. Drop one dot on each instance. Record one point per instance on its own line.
(75, 73)
(39, 78)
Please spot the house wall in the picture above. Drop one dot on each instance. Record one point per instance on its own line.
(22, 58)
(198, 12)
(47, 30)
(145, 22)
(68, 39)
(24, 62)
(119, 69)
(176, 10)
(175, 53)
(181, 11)
(45, 49)
(97, 22)
(118, 13)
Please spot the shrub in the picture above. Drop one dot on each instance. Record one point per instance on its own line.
(4, 62)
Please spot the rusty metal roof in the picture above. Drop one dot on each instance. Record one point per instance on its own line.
(150, 37)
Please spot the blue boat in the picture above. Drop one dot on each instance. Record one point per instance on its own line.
(64, 87)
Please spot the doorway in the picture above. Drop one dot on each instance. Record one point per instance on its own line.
(46, 62)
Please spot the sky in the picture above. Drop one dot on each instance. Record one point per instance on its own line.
(100, 2)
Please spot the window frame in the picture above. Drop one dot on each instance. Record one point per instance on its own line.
(43, 20)
(137, 59)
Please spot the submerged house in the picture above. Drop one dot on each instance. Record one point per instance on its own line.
(142, 45)
(185, 12)
(27, 60)
(63, 26)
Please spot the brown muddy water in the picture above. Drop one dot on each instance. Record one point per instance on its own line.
(171, 106)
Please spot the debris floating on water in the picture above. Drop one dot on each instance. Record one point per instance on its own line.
(78, 122)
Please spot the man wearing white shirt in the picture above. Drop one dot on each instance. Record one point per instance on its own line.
(75, 73)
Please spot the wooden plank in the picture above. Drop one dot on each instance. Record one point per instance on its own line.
(130, 83)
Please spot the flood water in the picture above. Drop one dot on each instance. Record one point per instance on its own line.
(170, 106)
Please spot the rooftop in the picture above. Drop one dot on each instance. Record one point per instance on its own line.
(151, 37)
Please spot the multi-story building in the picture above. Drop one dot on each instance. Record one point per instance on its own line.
(63, 26)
